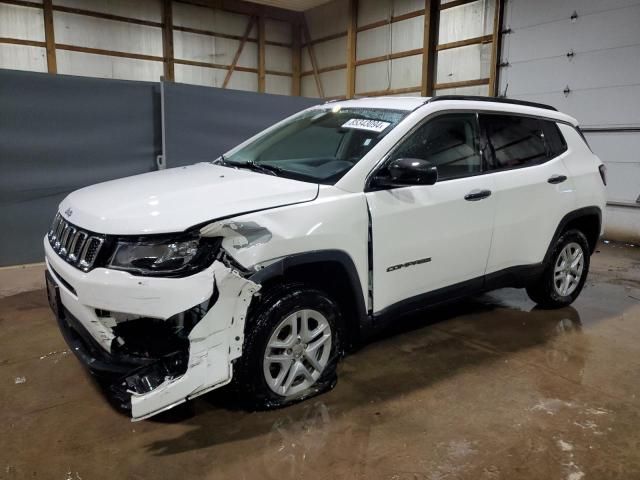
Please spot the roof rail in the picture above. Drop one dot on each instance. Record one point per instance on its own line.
(492, 99)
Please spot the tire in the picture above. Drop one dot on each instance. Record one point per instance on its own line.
(561, 283)
(257, 381)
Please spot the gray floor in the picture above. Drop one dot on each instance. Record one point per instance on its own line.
(487, 388)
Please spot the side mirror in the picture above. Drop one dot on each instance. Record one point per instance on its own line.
(405, 172)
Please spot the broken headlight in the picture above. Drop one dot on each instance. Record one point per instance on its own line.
(164, 256)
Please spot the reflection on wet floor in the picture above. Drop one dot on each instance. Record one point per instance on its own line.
(489, 387)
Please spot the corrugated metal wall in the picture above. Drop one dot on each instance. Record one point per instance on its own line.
(583, 56)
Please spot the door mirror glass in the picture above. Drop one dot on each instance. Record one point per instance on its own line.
(405, 172)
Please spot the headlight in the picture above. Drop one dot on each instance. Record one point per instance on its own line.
(163, 257)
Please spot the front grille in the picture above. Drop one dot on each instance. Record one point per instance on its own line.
(77, 247)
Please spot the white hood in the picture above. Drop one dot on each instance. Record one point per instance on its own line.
(175, 199)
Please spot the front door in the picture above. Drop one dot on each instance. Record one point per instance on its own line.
(429, 237)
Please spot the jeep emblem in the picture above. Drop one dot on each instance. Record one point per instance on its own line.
(68, 212)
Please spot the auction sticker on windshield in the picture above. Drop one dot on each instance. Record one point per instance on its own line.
(364, 124)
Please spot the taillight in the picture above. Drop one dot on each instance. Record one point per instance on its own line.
(603, 173)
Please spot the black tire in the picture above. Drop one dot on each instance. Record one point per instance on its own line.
(543, 291)
(249, 382)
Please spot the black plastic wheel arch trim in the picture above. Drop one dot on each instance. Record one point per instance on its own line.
(573, 215)
(280, 267)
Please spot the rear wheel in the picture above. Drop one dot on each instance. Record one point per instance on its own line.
(291, 348)
(565, 274)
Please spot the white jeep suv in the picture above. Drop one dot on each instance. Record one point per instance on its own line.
(263, 267)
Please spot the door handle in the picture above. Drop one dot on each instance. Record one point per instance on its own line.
(557, 179)
(475, 195)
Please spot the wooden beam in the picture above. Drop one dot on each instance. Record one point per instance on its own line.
(312, 57)
(390, 91)
(429, 41)
(111, 53)
(331, 68)
(455, 3)
(105, 16)
(392, 56)
(296, 59)
(261, 55)
(167, 40)
(49, 37)
(352, 35)
(462, 83)
(464, 43)
(399, 18)
(494, 75)
(246, 34)
(326, 38)
(212, 33)
(22, 3)
(19, 41)
(246, 8)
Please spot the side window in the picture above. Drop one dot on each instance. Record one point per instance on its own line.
(449, 142)
(556, 144)
(514, 141)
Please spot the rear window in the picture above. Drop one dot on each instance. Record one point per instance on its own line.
(514, 141)
(556, 144)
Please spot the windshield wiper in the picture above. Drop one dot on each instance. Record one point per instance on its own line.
(256, 167)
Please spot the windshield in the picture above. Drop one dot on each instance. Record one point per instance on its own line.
(318, 145)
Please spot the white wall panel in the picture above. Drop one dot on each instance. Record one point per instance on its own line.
(482, 90)
(334, 83)
(205, 48)
(140, 9)
(214, 77)
(209, 19)
(398, 73)
(400, 7)
(620, 147)
(306, 60)
(622, 224)
(278, 84)
(278, 58)
(397, 37)
(329, 53)
(25, 23)
(464, 63)
(103, 66)
(599, 108)
(308, 87)
(615, 28)
(466, 21)
(91, 32)
(625, 63)
(22, 57)
(277, 31)
(373, 11)
(327, 19)
(527, 13)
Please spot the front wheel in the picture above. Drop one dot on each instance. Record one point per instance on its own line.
(291, 349)
(565, 274)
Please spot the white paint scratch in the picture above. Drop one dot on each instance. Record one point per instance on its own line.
(19, 380)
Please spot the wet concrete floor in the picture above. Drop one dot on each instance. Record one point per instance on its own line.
(489, 388)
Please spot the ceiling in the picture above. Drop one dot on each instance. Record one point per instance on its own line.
(297, 5)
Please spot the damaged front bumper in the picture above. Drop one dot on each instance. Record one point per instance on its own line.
(154, 357)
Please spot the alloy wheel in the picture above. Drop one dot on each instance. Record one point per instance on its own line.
(297, 352)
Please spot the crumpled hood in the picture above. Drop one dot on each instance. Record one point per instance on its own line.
(175, 199)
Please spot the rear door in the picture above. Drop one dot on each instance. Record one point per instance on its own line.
(532, 188)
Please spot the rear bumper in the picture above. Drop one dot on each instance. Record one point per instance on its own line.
(149, 385)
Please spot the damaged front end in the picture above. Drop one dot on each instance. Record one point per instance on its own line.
(150, 365)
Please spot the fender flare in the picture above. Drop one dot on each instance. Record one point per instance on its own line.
(279, 269)
(580, 212)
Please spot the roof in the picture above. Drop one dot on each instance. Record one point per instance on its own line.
(440, 102)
